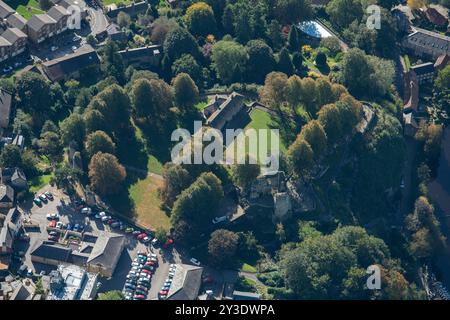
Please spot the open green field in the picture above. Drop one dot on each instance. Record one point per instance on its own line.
(263, 120)
(39, 182)
(26, 8)
(117, 2)
(144, 194)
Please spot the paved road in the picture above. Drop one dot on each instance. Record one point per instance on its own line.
(98, 20)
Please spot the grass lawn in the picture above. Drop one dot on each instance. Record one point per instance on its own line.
(109, 2)
(248, 268)
(26, 8)
(263, 120)
(154, 165)
(39, 182)
(201, 105)
(144, 194)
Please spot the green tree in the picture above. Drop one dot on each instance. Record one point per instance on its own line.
(178, 42)
(226, 55)
(197, 204)
(176, 179)
(10, 156)
(73, 129)
(106, 173)
(330, 119)
(292, 11)
(442, 81)
(33, 94)
(116, 107)
(244, 174)
(293, 39)
(261, 60)
(274, 34)
(222, 247)
(112, 64)
(94, 119)
(228, 20)
(301, 156)
(99, 141)
(185, 92)
(200, 19)
(50, 144)
(123, 20)
(187, 64)
(285, 63)
(344, 12)
(315, 135)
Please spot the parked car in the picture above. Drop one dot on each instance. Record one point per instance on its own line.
(52, 224)
(49, 195)
(69, 226)
(53, 48)
(136, 233)
(60, 225)
(105, 219)
(7, 69)
(129, 230)
(76, 38)
(139, 297)
(38, 202)
(86, 211)
(195, 261)
(43, 198)
(217, 220)
(52, 216)
(24, 237)
(53, 233)
(168, 243)
(52, 238)
(115, 225)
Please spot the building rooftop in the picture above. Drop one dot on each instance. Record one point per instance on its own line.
(423, 68)
(58, 12)
(185, 283)
(5, 106)
(46, 250)
(58, 68)
(77, 284)
(5, 10)
(6, 193)
(233, 101)
(313, 29)
(106, 251)
(17, 21)
(37, 21)
(13, 35)
(429, 38)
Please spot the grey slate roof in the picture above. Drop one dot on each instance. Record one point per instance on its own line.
(429, 38)
(21, 293)
(191, 284)
(107, 250)
(37, 21)
(424, 68)
(57, 69)
(58, 12)
(4, 42)
(136, 53)
(5, 10)
(133, 9)
(10, 227)
(17, 21)
(13, 34)
(5, 106)
(234, 100)
(51, 251)
(6, 193)
(18, 174)
(241, 295)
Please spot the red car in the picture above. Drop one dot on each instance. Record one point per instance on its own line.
(163, 292)
(139, 297)
(147, 271)
(52, 224)
(150, 263)
(168, 243)
(141, 236)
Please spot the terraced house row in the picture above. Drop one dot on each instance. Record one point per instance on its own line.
(16, 32)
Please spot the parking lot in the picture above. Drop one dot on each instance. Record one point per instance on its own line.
(68, 215)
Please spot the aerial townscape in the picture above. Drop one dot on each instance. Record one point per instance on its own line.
(351, 202)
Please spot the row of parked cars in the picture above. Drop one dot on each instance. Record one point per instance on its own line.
(114, 223)
(162, 295)
(43, 198)
(139, 278)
